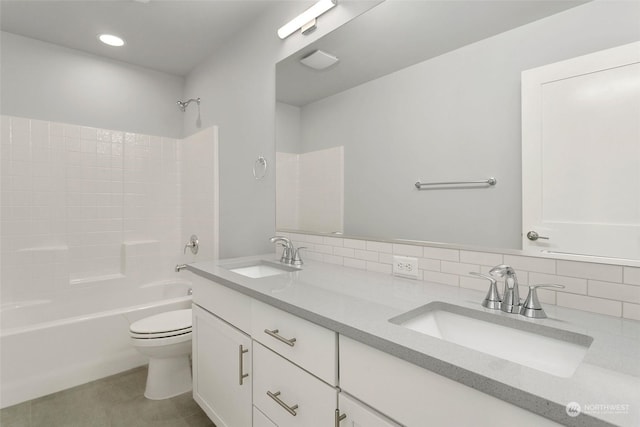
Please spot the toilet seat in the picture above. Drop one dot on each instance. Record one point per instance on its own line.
(175, 323)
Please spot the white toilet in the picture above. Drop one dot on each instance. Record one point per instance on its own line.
(166, 339)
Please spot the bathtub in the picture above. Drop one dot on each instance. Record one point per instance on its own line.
(50, 345)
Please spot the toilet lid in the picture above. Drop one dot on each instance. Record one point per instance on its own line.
(169, 321)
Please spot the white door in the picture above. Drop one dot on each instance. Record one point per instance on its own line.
(581, 155)
(355, 414)
(221, 370)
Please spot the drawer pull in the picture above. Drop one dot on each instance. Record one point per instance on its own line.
(289, 409)
(241, 374)
(290, 342)
(339, 417)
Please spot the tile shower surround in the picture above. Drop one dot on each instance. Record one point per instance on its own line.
(613, 290)
(84, 206)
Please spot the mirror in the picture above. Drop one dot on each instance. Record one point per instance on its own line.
(423, 91)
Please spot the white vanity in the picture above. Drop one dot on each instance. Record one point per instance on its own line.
(304, 348)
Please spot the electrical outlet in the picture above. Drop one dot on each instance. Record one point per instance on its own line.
(405, 266)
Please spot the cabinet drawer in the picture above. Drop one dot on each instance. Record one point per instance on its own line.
(227, 304)
(357, 414)
(417, 397)
(306, 344)
(261, 420)
(289, 396)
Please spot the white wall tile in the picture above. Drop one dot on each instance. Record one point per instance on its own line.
(366, 255)
(458, 268)
(380, 247)
(333, 241)
(407, 250)
(429, 264)
(614, 291)
(475, 283)
(484, 258)
(595, 305)
(631, 311)
(345, 252)
(631, 275)
(539, 265)
(353, 243)
(572, 285)
(441, 254)
(385, 258)
(605, 272)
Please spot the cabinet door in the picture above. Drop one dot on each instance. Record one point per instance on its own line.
(221, 370)
(357, 414)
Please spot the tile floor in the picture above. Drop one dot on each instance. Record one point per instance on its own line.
(115, 401)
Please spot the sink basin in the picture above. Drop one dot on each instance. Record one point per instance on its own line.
(261, 268)
(554, 351)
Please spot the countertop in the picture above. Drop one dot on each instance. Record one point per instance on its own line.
(358, 304)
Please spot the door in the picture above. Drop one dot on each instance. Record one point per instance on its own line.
(581, 155)
(221, 370)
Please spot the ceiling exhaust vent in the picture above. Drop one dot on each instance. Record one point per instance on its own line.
(319, 60)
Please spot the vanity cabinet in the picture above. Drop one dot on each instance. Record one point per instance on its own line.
(221, 370)
(357, 414)
(375, 377)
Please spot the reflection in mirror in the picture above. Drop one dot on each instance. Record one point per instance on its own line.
(424, 91)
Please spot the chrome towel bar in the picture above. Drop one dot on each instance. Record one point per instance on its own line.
(490, 181)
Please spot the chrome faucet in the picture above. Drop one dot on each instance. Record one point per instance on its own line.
(288, 252)
(511, 296)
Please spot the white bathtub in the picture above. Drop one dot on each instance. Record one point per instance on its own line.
(50, 345)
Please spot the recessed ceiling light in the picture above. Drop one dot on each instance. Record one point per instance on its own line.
(111, 40)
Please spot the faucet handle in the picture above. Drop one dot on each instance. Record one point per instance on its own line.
(296, 256)
(531, 306)
(493, 299)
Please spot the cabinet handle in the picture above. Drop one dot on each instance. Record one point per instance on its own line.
(289, 409)
(339, 417)
(241, 374)
(290, 342)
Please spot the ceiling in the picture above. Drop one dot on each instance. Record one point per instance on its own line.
(398, 33)
(172, 36)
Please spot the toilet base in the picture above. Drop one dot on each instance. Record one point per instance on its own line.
(168, 377)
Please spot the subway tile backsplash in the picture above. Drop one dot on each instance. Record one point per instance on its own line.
(599, 288)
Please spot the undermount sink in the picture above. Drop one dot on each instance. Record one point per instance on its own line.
(261, 268)
(554, 351)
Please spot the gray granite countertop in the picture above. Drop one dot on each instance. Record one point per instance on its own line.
(359, 304)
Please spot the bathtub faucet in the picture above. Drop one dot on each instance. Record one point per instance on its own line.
(180, 267)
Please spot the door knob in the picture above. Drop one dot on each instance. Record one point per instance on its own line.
(533, 235)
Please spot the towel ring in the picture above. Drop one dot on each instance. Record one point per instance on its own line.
(260, 168)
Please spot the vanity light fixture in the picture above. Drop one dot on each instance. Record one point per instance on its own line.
(306, 21)
(111, 40)
(319, 60)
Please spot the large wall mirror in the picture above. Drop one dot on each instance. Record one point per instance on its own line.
(427, 91)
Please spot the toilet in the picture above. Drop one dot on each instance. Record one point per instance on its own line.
(166, 339)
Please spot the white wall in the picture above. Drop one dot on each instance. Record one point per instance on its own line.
(48, 82)
(454, 117)
(237, 87)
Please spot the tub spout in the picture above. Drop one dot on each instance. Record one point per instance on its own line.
(180, 267)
